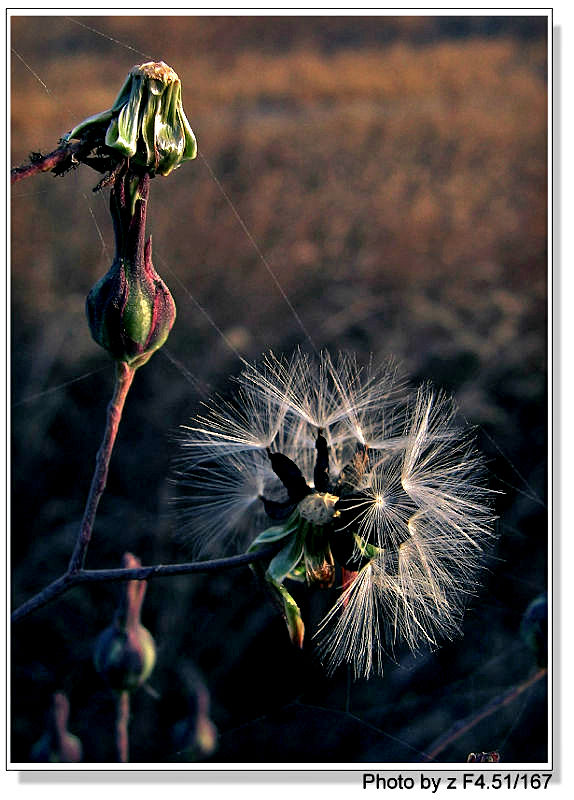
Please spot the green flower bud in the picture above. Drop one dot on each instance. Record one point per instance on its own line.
(125, 657)
(57, 745)
(130, 310)
(125, 652)
(146, 124)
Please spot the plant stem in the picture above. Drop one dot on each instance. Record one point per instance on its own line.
(123, 381)
(122, 722)
(67, 581)
(49, 593)
(61, 160)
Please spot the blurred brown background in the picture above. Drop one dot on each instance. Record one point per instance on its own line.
(392, 171)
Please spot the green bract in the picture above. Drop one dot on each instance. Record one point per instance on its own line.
(147, 123)
(306, 554)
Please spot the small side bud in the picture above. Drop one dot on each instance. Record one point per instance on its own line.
(57, 745)
(125, 652)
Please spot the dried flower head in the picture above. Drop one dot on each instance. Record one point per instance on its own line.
(355, 473)
(146, 124)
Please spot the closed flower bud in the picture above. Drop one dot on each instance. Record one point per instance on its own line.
(125, 657)
(146, 124)
(130, 310)
(125, 652)
(57, 745)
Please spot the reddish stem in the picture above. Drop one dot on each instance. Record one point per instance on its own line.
(124, 377)
(128, 614)
(61, 159)
(122, 722)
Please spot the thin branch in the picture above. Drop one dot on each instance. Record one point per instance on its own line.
(70, 579)
(124, 375)
(59, 161)
(167, 570)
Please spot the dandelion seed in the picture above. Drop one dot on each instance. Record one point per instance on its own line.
(222, 497)
(350, 474)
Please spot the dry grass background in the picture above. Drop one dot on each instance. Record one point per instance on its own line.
(393, 173)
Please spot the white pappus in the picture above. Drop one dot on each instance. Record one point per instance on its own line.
(360, 482)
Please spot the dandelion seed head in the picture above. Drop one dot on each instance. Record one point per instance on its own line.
(373, 477)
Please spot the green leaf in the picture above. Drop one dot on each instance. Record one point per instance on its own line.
(273, 534)
(276, 532)
(286, 559)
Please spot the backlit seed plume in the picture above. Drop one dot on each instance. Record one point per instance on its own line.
(361, 483)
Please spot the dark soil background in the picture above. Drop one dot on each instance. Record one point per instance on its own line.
(393, 173)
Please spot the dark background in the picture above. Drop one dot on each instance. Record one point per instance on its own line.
(393, 173)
